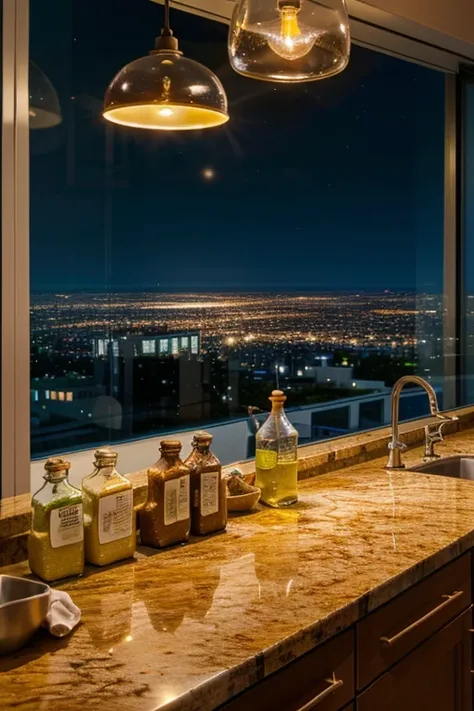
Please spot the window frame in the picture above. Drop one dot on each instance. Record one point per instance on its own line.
(15, 341)
(463, 79)
(453, 300)
(371, 28)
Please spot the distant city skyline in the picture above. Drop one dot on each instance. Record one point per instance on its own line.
(274, 317)
(117, 365)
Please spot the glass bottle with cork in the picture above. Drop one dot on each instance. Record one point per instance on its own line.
(208, 488)
(165, 517)
(276, 456)
(109, 517)
(56, 540)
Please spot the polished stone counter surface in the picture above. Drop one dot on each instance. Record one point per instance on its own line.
(190, 627)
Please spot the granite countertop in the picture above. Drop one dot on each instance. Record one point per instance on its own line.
(189, 627)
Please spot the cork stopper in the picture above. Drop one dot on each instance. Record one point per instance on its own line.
(170, 446)
(56, 469)
(202, 436)
(56, 464)
(202, 440)
(105, 457)
(278, 399)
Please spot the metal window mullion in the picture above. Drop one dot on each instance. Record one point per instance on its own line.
(8, 243)
(15, 252)
(452, 281)
(465, 78)
(22, 255)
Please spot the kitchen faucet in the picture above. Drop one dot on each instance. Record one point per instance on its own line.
(395, 446)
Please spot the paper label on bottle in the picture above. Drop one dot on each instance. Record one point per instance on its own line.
(176, 500)
(115, 516)
(209, 493)
(66, 525)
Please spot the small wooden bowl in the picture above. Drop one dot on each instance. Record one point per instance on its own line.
(244, 502)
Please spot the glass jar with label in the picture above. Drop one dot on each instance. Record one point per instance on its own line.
(56, 540)
(165, 518)
(109, 517)
(208, 488)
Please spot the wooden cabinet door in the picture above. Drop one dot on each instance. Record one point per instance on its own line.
(322, 680)
(436, 676)
(411, 618)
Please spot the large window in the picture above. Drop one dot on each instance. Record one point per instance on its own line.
(177, 279)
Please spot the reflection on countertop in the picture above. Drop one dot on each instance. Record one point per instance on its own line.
(189, 627)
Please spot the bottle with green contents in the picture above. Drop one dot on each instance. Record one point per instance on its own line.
(276, 464)
(109, 517)
(56, 540)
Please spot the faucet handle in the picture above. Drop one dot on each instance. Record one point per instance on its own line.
(436, 434)
(398, 445)
(395, 448)
(432, 436)
(446, 418)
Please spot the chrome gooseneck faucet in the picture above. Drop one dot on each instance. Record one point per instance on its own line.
(395, 446)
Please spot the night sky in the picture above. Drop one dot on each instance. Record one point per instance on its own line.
(336, 184)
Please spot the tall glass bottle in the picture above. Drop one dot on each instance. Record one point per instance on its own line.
(56, 540)
(165, 519)
(208, 488)
(109, 518)
(276, 456)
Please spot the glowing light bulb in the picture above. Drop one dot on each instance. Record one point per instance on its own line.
(289, 40)
(290, 43)
(165, 112)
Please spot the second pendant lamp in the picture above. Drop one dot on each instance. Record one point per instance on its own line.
(289, 40)
(166, 91)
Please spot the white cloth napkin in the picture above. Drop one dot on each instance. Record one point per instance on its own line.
(63, 615)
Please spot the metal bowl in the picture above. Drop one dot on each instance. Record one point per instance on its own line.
(23, 607)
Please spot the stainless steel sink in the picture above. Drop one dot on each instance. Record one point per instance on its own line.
(457, 467)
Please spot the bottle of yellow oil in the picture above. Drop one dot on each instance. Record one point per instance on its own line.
(276, 456)
(109, 517)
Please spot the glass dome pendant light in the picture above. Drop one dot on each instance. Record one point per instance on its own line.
(289, 40)
(166, 91)
(44, 109)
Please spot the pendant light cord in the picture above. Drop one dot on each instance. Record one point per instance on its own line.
(167, 31)
(166, 42)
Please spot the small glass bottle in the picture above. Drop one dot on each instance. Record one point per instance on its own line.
(109, 517)
(276, 456)
(165, 517)
(56, 540)
(208, 488)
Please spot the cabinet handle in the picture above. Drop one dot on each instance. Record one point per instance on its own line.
(334, 684)
(448, 599)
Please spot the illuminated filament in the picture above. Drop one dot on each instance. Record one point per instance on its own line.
(291, 43)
